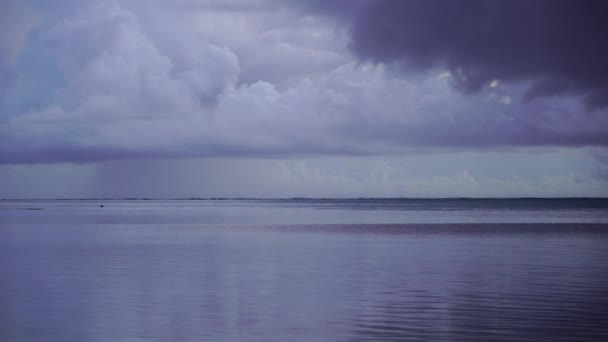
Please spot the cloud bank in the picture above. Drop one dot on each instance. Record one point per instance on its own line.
(119, 80)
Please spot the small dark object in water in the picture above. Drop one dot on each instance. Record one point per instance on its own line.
(101, 206)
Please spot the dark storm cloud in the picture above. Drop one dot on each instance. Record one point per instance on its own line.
(560, 45)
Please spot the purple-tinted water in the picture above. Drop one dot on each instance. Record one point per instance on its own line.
(305, 211)
(192, 271)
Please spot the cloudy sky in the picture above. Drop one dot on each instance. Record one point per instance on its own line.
(280, 98)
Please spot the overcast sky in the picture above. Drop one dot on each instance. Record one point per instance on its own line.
(269, 98)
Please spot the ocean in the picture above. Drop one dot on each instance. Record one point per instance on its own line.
(304, 270)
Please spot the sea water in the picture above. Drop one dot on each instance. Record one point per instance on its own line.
(304, 270)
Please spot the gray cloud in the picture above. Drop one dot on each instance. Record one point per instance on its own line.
(247, 82)
(558, 44)
(16, 19)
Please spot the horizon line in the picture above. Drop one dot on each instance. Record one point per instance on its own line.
(217, 198)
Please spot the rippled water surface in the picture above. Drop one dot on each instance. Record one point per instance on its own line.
(74, 271)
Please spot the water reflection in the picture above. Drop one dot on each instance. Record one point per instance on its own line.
(202, 283)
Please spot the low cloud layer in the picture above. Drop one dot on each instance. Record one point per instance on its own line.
(136, 79)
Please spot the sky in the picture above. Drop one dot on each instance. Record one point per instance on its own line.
(287, 98)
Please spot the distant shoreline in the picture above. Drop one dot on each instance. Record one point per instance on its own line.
(309, 199)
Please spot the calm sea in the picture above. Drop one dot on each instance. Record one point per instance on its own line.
(304, 270)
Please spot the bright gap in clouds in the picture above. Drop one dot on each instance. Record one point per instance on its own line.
(466, 174)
